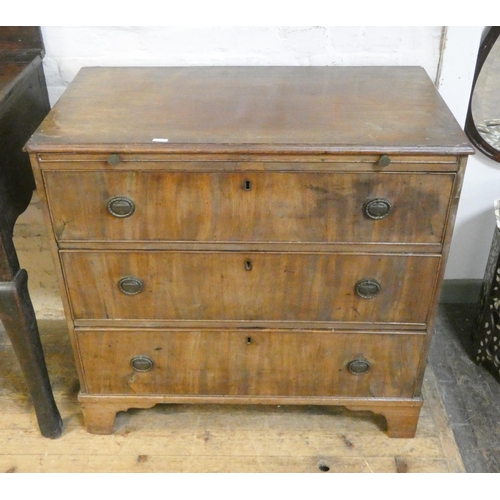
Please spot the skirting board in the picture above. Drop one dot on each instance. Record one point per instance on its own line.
(465, 291)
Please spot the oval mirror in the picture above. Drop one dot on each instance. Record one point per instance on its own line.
(483, 117)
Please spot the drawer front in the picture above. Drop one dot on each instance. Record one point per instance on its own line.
(249, 206)
(239, 286)
(250, 363)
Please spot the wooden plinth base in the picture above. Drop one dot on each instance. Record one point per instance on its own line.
(401, 415)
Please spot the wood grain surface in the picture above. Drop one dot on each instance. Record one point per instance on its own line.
(265, 108)
(249, 206)
(251, 362)
(279, 287)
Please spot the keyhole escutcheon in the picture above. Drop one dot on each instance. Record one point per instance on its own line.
(248, 265)
(247, 185)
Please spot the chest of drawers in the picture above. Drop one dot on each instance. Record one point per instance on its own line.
(250, 235)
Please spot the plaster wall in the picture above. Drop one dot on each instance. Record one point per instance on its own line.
(475, 221)
(70, 48)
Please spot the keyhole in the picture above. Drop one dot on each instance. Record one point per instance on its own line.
(248, 265)
(247, 185)
(249, 340)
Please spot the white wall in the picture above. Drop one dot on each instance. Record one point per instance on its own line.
(475, 222)
(70, 48)
(448, 56)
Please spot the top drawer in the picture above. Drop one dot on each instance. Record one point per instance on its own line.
(271, 207)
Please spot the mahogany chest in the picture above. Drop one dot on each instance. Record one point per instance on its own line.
(262, 235)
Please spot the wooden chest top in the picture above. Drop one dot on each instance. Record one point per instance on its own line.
(252, 109)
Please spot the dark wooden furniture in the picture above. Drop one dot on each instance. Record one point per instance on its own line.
(486, 333)
(251, 235)
(23, 105)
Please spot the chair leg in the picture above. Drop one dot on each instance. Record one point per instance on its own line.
(18, 318)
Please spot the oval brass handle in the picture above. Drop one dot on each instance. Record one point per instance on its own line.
(121, 206)
(142, 363)
(113, 159)
(384, 161)
(358, 366)
(129, 285)
(367, 288)
(377, 209)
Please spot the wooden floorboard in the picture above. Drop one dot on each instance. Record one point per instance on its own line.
(209, 438)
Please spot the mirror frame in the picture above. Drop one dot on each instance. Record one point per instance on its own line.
(474, 136)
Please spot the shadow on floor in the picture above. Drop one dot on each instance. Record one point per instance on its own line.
(470, 394)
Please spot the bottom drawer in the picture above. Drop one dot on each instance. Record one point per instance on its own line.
(250, 362)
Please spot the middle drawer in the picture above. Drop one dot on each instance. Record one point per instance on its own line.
(238, 286)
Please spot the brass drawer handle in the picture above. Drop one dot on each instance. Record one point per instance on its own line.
(358, 366)
(113, 159)
(376, 209)
(367, 288)
(384, 161)
(142, 363)
(129, 285)
(121, 206)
